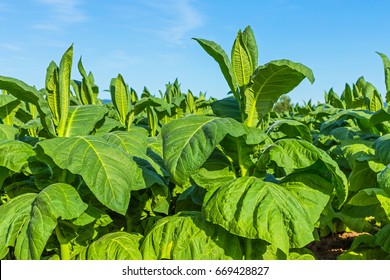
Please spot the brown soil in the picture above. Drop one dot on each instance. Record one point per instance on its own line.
(330, 247)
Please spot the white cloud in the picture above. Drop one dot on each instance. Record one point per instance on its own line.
(170, 20)
(62, 12)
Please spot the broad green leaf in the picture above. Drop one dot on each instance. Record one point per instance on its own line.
(312, 200)
(360, 118)
(29, 219)
(83, 119)
(347, 96)
(216, 171)
(372, 196)
(376, 102)
(108, 172)
(135, 143)
(187, 236)
(64, 89)
(294, 155)
(114, 246)
(52, 91)
(382, 238)
(382, 149)
(8, 132)
(241, 61)
(255, 209)
(362, 176)
(120, 97)
(383, 178)
(188, 142)
(9, 105)
(289, 129)
(14, 154)
(227, 108)
(271, 81)
(250, 42)
(334, 100)
(30, 94)
(219, 55)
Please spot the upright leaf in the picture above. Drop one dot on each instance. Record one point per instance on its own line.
(120, 98)
(241, 61)
(251, 45)
(270, 82)
(386, 66)
(52, 91)
(64, 89)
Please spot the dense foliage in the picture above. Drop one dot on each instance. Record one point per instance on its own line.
(181, 176)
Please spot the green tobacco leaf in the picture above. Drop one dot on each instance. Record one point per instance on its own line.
(219, 55)
(250, 42)
(86, 91)
(120, 97)
(312, 200)
(114, 246)
(64, 89)
(382, 149)
(293, 155)
(9, 105)
(383, 178)
(376, 102)
(188, 142)
(289, 129)
(271, 81)
(382, 238)
(135, 143)
(29, 219)
(52, 91)
(362, 176)
(83, 119)
(386, 66)
(347, 96)
(109, 172)
(216, 171)
(227, 108)
(340, 119)
(14, 154)
(372, 196)
(187, 236)
(254, 209)
(30, 94)
(241, 61)
(8, 132)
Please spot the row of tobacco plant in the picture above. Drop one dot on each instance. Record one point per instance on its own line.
(180, 176)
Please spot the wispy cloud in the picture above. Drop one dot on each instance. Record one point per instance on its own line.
(62, 12)
(177, 18)
(169, 20)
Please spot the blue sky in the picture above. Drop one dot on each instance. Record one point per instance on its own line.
(149, 42)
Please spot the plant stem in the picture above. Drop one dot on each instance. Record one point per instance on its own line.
(248, 249)
(64, 245)
(243, 169)
(63, 176)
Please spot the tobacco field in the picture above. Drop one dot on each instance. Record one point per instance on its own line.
(182, 176)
